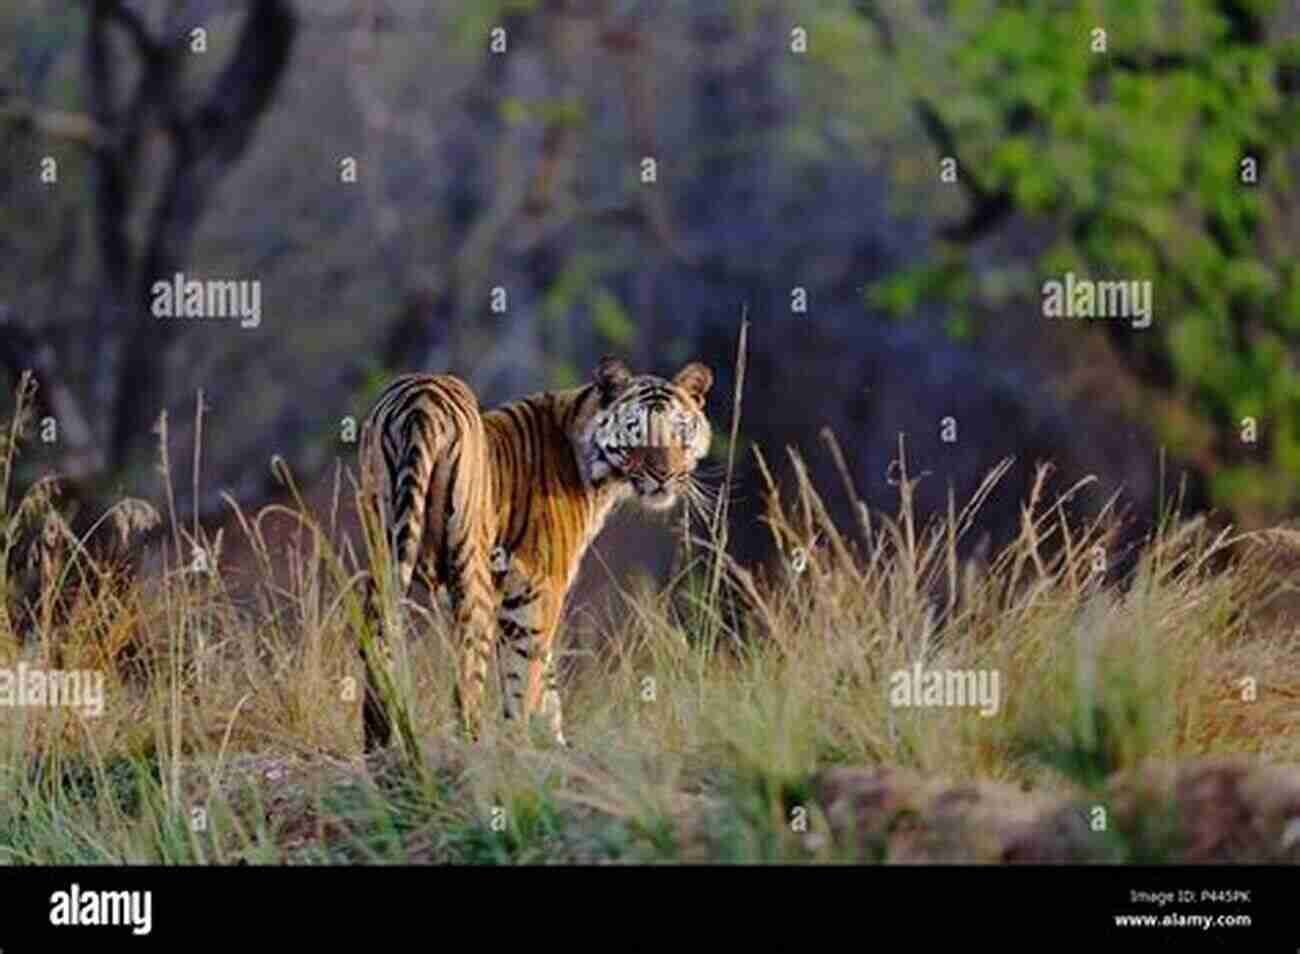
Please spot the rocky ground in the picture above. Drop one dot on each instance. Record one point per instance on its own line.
(1216, 809)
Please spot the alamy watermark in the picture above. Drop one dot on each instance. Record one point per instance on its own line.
(1089, 298)
(32, 687)
(83, 907)
(192, 298)
(945, 687)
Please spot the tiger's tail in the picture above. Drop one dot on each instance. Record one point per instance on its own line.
(409, 498)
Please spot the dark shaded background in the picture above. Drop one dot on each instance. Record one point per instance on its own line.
(776, 168)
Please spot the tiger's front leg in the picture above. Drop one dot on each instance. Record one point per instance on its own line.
(526, 623)
(551, 707)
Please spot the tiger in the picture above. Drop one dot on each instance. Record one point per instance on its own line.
(495, 509)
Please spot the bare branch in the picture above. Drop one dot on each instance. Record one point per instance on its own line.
(82, 460)
(207, 143)
(132, 23)
(989, 208)
(55, 123)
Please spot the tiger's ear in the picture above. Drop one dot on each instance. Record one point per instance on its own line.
(611, 376)
(695, 379)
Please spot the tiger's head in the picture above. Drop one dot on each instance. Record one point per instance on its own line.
(645, 431)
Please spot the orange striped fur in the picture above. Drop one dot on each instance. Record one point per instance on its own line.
(500, 506)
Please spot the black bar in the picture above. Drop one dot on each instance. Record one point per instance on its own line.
(915, 908)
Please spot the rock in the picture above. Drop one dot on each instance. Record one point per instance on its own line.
(1214, 809)
(1225, 808)
(896, 815)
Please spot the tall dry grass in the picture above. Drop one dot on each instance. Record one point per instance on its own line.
(231, 727)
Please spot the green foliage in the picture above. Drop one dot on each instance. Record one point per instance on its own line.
(1133, 158)
(653, 838)
(903, 291)
(1154, 837)
(473, 22)
(531, 822)
(761, 805)
(553, 111)
(122, 781)
(611, 321)
(564, 292)
(1086, 751)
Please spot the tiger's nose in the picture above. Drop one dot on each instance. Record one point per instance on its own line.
(651, 461)
(657, 463)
